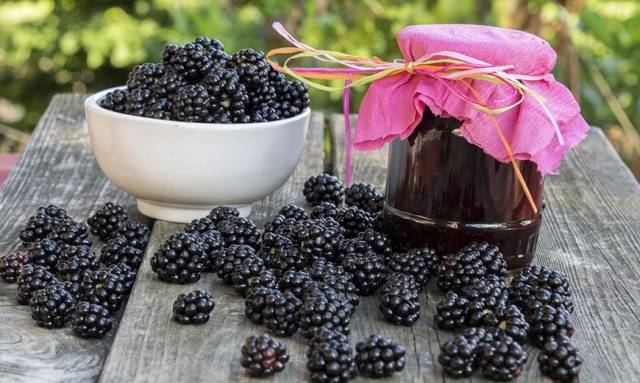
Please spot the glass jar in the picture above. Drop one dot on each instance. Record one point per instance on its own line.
(445, 192)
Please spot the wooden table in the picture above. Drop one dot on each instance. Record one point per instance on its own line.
(591, 231)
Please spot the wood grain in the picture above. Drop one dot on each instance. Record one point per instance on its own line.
(591, 231)
(57, 167)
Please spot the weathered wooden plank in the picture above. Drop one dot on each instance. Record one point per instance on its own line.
(591, 231)
(57, 167)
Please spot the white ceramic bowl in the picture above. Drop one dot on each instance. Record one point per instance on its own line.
(179, 171)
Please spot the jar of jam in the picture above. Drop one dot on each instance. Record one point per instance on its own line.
(445, 192)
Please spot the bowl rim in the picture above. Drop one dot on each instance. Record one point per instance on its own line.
(91, 103)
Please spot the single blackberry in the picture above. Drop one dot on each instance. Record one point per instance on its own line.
(400, 306)
(32, 278)
(293, 211)
(45, 253)
(166, 87)
(191, 104)
(228, 97)
(364, 196)
(293, 97)
(491, 257)
(331, 362)
(76, 260)
(274, 309)
(323, 335)
(220, 213)
(115, 100)
(395, 280)
(419, 263)
(117, 250)
(514, 324)
(54, 212)
(215, 48)
(368, 271)
(263, 112)
(280, 225)
(325, 210)
(381, 244)
(138, 101)
(502, 360)
(350, 246)
(272, 245)
(159, 108)
(535, 286)
(354, 220)
(249, 268)
(328, 310)
(321, 267)
(263, 355)
(144, 75)
(485, 298)
(295, 282)
(289, 258)
(266, 278)
(560, 360)
(458, 357)
(460, 269)
(378, 357)
(137, 234)
(193, 307)
(342, 285)
(239, 231)
(548, 322)
(180, 259)
(323, 188)
(211, 237)
(107, 220)
(191, 60)
(316, 239)
(11, 264)
(251, 66)
(37, 228)
(103, 288)
(452, 311)
(229, 258)
(90, 320)
(70, 233)
(378, 222)
(482, 336)
(126, 274)
(51, 307)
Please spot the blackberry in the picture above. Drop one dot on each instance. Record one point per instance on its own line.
(514, 324)
(37, 228)
(289, 258)
(331, 362)
(394, 280)
(180, 259)
(214, 244)
(117, 250)
(368, 271)
(316, 239)
(263, 355)
(251, 66)
(381, 244)
(76, 260)
(321, 267)
(115, 100)
(191, 104)
(378, 357)
(560, 360)
(325, 210)
(214, 47)
(418, 263)
(324, 310)
(73, 286)
(193, 307)
(293, 211)
(548, 322)
(293, 98)
(45, 253)
(249, 268)
(70, 233)
(378, 222)
(342, 285)
(491, 257)
(364, 196)
(51, 307)
(354, 220)
(239, 231)
(263, 112)
(107, 220)
(166, 87)
(159, 108)
(274, 309)
(136, 234)
(191, 61)
(502, 360)
(126, 275)
(11, 264)
(32, 278)
(266, 278)
(231, 257)
(228, 97)
(460, 269)
(458, 357)
(350, 246)
(220, 213)
(535, 286)
(138, 101)
(451, 312)
(323, 188)
(323, 335)
(400, 305)
(482, 336)
(103, 288)
(54, 212)
(484, 297)
(90, 320)
(272, 245)
(295, 282)
(280, 225)
(144, 75)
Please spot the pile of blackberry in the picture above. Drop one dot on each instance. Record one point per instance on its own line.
(201, 82)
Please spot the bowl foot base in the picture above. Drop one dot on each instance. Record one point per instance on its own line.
(181, 213)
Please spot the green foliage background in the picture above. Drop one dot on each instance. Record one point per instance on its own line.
(51, 46)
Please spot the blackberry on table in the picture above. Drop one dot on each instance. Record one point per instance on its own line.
(458, 357)
(364, 196)
(381, 244)
(11, 264)
(289, 258)
(249, 268)
(342, 285)
(70, 233)
(280, 225)
(239, 231)
(103, 288)
(76, 260)
(493, 260)
(32, 278)
(395, 280)
(191, 60)
(400, 305)
(482, 336)
(451, 312)
(274, 309)
(316, 239)
(350, 246)
(535, 286)
(323, 335)
(229, 258)
(354, 220)
(90, 320)
(295, 282)
(378, 357)
(323, 188)
(484, 297)
(51, 307)
(73, 286)
(206, 229)
(37, 228)
(144, 75)
(293, 211)
(459, 269)
(560, 360)
(180, 259)
(368, 271)
(45, 253)
(420, 263)
(263, 355)
(191, 104)
(125, 273)
(325, 210)
(266, 278)
(117, 250)
(107, 220)
(54, 212)
(115, 100)
(321, 267)
(272, 245)
(547, 323)
(193, 307)
(137, 234)
(220, 213)
(331, 362)
(514, 324)
(324, 310)
(502, 360)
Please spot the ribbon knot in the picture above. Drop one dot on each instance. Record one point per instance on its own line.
(408, 67)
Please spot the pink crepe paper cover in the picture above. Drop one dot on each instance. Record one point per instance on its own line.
(393, 106)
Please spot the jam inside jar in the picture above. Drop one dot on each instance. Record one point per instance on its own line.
(445, 192)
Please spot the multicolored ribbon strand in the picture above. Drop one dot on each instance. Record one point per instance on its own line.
(445, 66)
